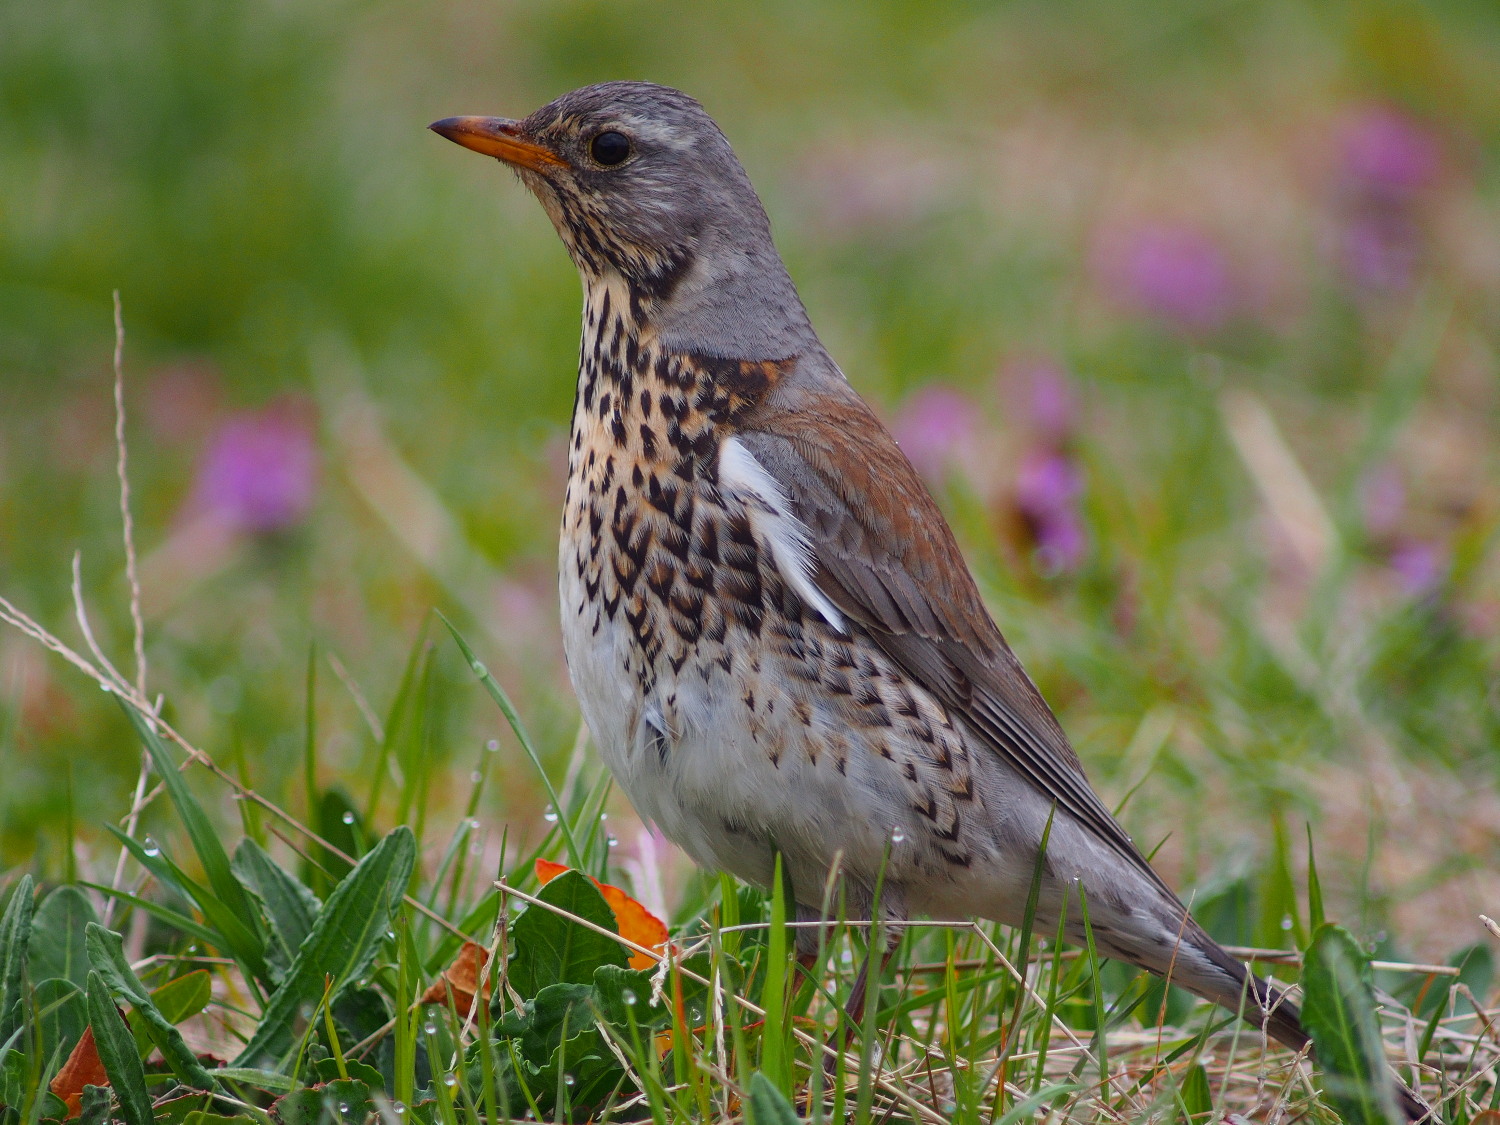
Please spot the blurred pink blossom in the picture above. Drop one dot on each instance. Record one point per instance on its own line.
(259, 472)
(1052, 404)
(1380, 249)
(1419, 566)
(1048, 487)
(1387, 152)
(935, 428)
(1170, 271)
(1385, 160)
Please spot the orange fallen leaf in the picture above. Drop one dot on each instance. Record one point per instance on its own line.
(461, 979)
(634, 922)
(83, 1068)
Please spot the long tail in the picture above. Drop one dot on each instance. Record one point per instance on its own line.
(1268, 1007)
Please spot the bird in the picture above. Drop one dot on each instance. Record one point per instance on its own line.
(774, 639)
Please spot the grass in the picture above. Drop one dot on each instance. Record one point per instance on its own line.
(1276, 641)
(354, 1003)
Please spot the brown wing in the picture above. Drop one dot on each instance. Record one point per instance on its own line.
(885, 556)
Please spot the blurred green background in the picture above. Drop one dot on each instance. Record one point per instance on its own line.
(1188, 310)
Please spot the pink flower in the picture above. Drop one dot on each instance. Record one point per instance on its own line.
(1419, 566)
(1170, 271)
(935, 427)
(1381, 248)
(1047, 491)
(1388, 153)
(1052, 403)
(259, 471)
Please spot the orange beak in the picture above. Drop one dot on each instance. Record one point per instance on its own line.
(498, 137)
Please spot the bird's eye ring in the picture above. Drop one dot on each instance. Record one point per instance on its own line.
(610, 147)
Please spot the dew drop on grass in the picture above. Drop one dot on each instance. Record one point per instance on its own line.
(450, 1080)
(476, 777)
(151, 847)
(568, 1080)
(1286, 922)
(430, 1027)
(492, 745)
(629, 998)
(603, 816)
(479, 669)
(550, 816)
(398, 1108)
(105, 688)
(344, 1108)
(348, 818)
(614, 843)
(897, 835)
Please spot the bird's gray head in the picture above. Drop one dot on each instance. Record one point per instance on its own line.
(642, 186)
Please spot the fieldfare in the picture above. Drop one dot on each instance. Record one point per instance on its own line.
(773, 636)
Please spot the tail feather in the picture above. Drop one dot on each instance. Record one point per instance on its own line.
(1267, 1006)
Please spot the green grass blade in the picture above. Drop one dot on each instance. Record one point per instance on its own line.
(15, 945)
(774, 1064)
(106, 953)
(497, 693)
(117, 1052)
(202, 833)
(179, 921)
(343, 941)
(1339, 1012)
(228, 932)
(1315, 917)
(310, 735)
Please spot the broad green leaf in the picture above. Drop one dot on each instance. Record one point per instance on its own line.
(15, 942)
(313, 1104)
(583, 1070)
(552, 949)
(177, 1000)
(1339, 1013)
(767, 1105)
(15, 1076)
(118, 1054)
(1197, 1101)
(95, 1105)
(290, 907)
(184, 997)
(538, 1027)
(57, 936)
(201, 1117)
(624, 995)
(200, 830)
(174, 1111)
(61, 1015)
(342, 943)
(328, 1071)
(107, 956)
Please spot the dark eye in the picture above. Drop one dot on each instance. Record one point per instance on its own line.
(610, 148)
